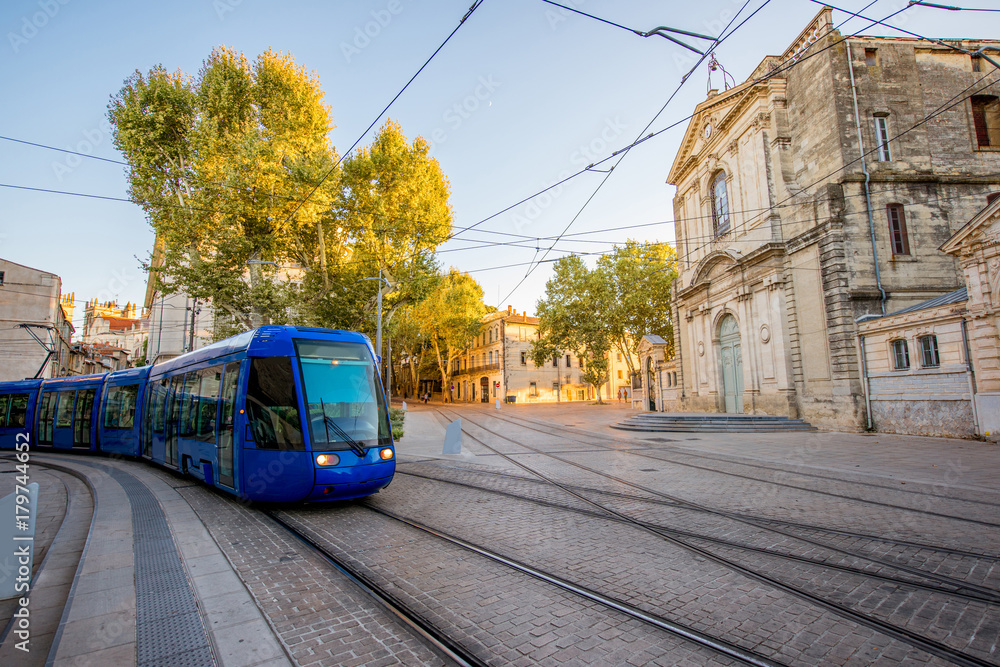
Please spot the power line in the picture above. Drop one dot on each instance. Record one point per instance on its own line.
(950, 7)
(604, 180)
(659, 31)
(475, 5)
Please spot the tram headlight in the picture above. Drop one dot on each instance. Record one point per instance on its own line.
(327, 459)
(385, 454)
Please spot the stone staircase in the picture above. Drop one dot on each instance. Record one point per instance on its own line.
(710, 422)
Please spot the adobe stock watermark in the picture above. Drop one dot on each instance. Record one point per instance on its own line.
(585, 155)
(86, 145)
(223, 7)
(33, 22)
(559, 15)
(120, 280)
(363, 35)
(462, 110)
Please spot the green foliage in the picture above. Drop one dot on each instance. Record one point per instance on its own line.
(639, 279)
(572, 319)
(396, 418)
(237, 176)
(589, 311)
(449, 317)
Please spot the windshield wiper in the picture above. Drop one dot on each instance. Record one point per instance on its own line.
(329, 422)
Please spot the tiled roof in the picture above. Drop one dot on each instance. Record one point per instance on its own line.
(120, 323)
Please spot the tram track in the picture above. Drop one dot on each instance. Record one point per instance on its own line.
(779, 522)
(750, 520)
(452, 652)
(629, 445)
(975, 593)
(903, 634)
(414, 618)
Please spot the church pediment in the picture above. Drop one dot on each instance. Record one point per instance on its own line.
(984, 229)
(714, 266)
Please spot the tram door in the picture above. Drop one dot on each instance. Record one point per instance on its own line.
(173, 419)
(227, 417)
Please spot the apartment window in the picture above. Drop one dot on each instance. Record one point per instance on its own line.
(620, 375)
(618, 357)
(977, 64)
(986, 117)
(882, 138)
(900, 355)
(1, 278)
(871, 57)
(524, 358)
(720, 205)
(532, 389)
(555, 362)
(567, 361)
(897, 230)
(929, 352)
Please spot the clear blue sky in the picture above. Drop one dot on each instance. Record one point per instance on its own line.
(524, 94)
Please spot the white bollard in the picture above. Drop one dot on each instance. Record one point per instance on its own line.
(404, 406)
(453, 438)
(498, 404)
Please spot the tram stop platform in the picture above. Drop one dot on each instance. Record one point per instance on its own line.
(125, 573)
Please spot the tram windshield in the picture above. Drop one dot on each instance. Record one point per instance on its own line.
(343, 396)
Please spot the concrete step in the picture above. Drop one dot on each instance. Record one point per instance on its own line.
(711, 422)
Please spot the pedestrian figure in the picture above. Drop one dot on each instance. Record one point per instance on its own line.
(619, 395)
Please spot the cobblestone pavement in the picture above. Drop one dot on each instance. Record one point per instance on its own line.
(862, 520)
(726, 534)
(320, 616)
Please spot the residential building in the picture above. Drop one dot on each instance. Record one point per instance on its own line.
(120, 327)
(498, 365)
(35, 331)
(815, 193)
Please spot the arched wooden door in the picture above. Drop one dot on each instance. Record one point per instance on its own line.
(731, 361)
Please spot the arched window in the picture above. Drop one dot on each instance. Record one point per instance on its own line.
(720, 204)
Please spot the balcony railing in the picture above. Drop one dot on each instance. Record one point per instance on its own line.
(480, 368)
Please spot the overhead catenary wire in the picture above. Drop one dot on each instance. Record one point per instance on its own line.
(607, 176)
(490, 231)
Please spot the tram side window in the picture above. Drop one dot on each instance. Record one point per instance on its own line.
(46, 413)
(188, 398)
(120, 411)
(17, 417)
(64, 411)
(273, 405)
(13, 410)
(159, 401)
(208, 403)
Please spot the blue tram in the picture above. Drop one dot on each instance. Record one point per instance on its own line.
(278, 414)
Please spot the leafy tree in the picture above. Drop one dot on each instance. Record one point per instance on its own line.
(639, 278)
(571, 318)
(391, 214)
(226, 167)
(589, 311)
(449, 318)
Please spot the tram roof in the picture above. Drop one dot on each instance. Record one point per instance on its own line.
(267, 341)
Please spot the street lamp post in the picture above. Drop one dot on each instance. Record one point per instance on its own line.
(378, 326)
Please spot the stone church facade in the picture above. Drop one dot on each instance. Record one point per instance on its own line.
(819, 191)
